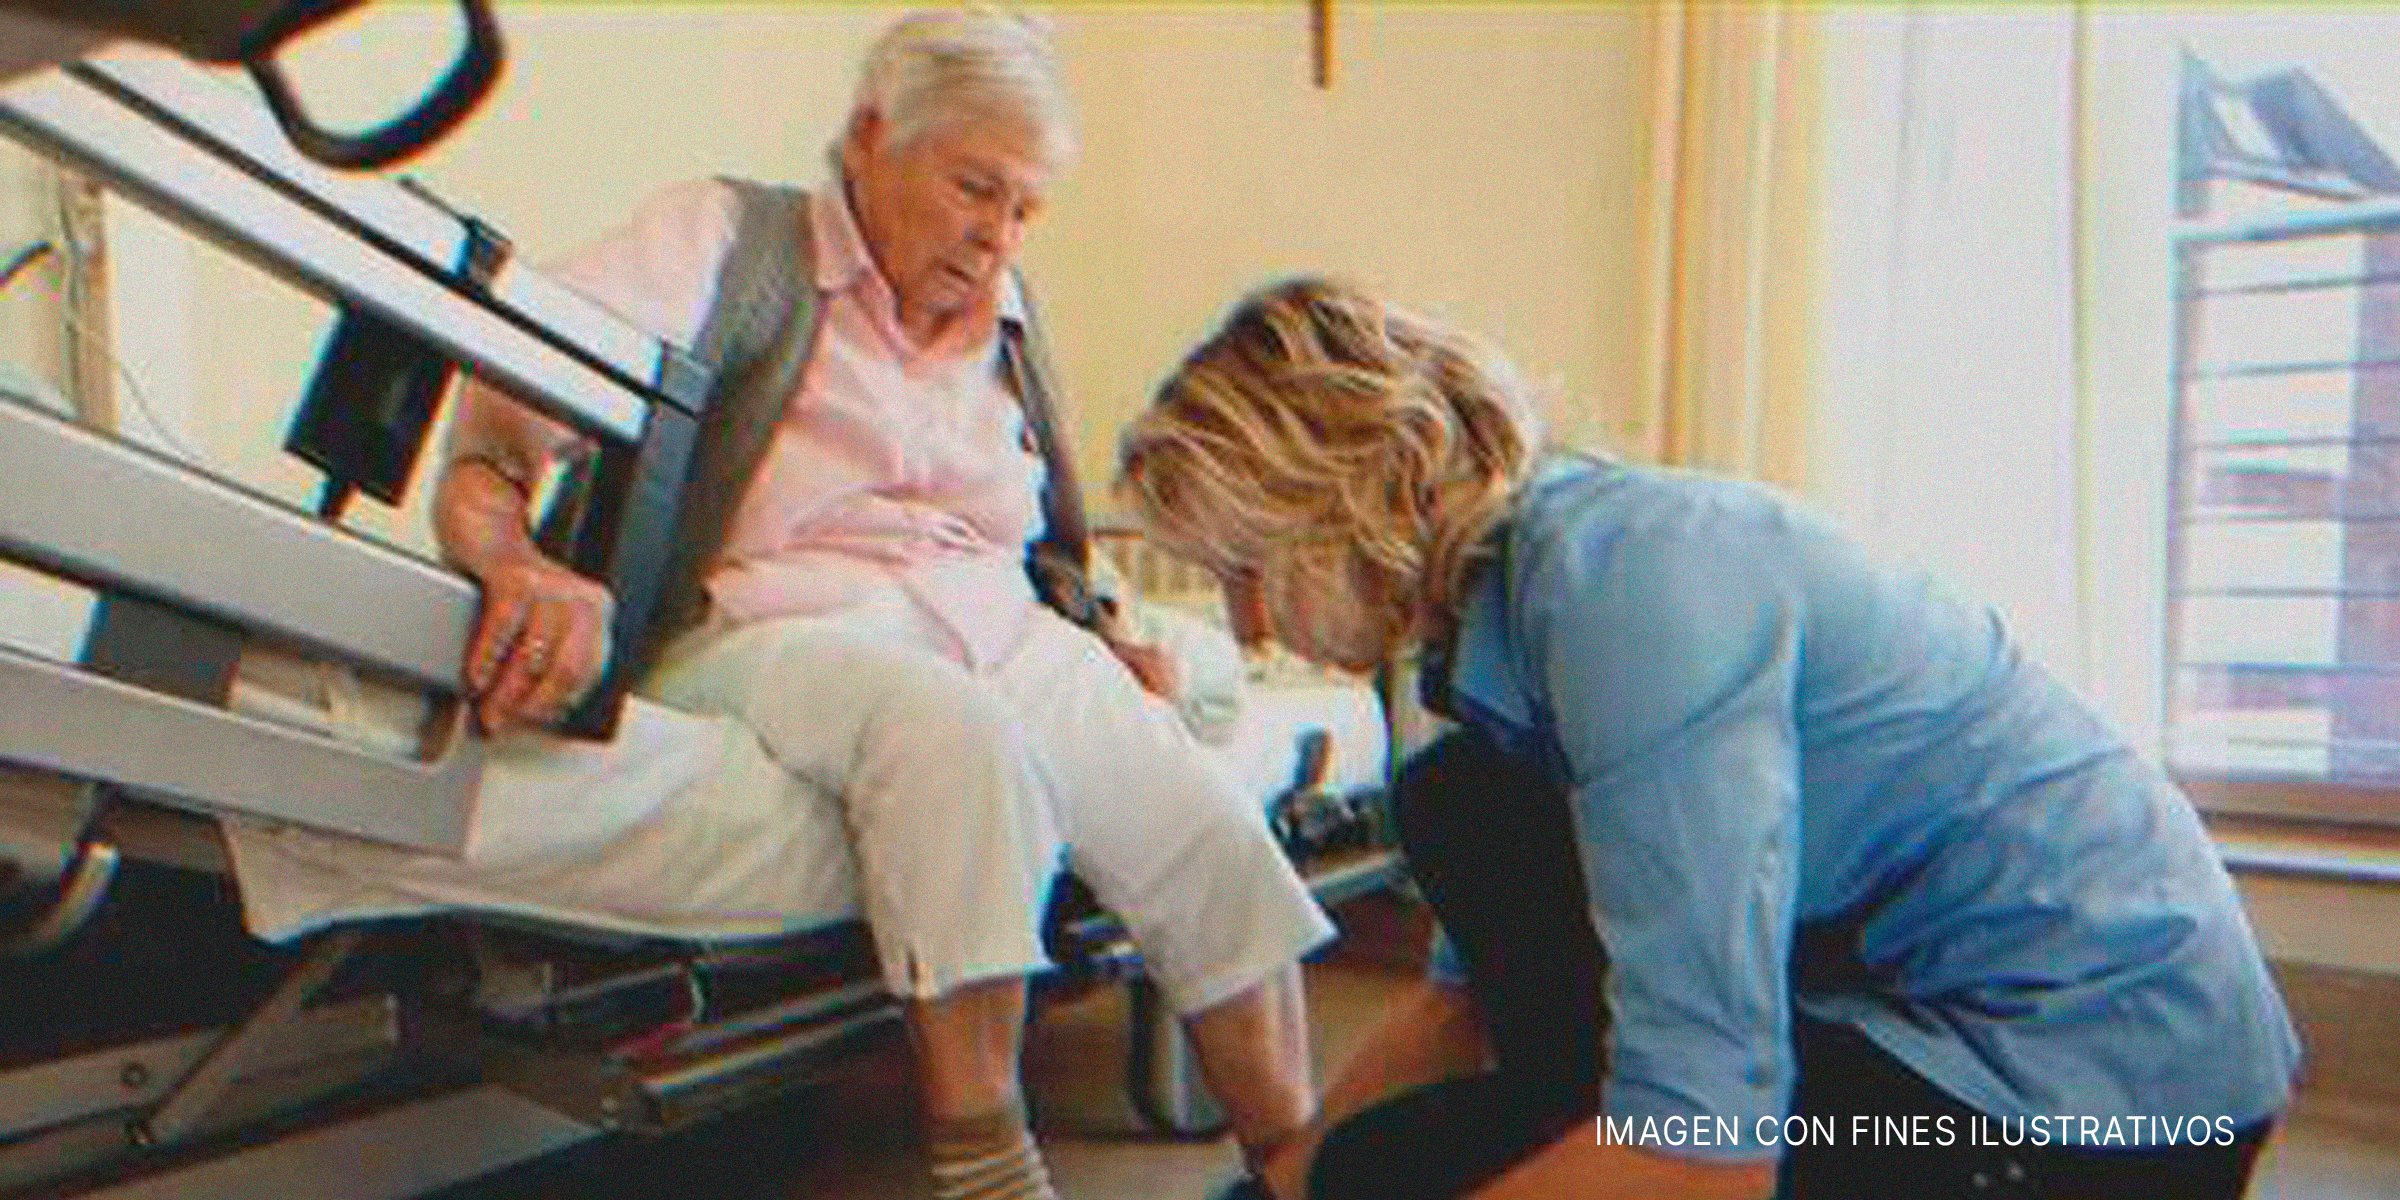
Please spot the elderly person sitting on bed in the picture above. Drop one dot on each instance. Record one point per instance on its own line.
(868, 608)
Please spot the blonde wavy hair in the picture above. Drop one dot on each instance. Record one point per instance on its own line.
(1339, 451)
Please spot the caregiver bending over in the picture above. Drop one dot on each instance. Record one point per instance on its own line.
(1736, 824)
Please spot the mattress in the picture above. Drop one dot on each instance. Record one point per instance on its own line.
(684, 828)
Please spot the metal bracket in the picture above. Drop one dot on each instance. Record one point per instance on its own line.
(242, 1049)
(58, 873)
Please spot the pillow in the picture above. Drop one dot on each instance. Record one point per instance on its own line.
(1210, 674)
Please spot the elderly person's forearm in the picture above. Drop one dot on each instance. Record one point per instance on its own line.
(481, 517)
(482, 509)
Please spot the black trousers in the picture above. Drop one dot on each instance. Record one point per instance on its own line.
(1492, 846)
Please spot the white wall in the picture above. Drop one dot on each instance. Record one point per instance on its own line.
(38, 612)
(1480, 162)
(601, 103)
(1946, 425)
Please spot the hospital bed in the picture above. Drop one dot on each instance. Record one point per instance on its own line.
(276, 922)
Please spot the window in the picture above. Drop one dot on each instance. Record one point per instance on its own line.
(2283, 575)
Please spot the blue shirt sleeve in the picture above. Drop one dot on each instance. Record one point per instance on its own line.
(1666, 651)
(1442, 963)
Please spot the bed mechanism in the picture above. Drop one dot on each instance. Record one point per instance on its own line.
(121, 735)
(395, 1057)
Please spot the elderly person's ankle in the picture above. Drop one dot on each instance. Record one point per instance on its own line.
(1256, 1154)
(988, 1156)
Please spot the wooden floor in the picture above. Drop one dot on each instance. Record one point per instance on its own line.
(2332, 1151)
(854, 1137)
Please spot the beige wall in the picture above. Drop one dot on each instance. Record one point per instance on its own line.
(1480, 162)
(601, 103)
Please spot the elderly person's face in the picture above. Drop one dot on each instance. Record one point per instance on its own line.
(943, 211)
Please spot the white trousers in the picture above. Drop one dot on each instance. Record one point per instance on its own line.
(964, 792)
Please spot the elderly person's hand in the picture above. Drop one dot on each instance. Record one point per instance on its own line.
(541, 638)
(1152, 665)
(540, 642)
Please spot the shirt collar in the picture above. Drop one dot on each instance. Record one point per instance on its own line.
(1484, 687)
(843, 262)
(842, 259)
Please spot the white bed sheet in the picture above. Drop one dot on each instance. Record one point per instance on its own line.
(1264, 748)
(683, 827)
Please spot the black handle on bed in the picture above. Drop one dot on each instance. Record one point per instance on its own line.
(469, 79)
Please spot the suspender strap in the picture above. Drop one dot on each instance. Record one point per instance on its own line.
(1060, 560)
(756, 340)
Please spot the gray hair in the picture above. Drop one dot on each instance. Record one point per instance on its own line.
(936, 66)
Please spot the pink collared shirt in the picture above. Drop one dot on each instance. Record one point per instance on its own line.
(895, 465)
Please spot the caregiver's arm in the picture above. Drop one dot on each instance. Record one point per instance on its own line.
(1667, 652)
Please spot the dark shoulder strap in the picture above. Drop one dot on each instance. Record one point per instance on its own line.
(760, 280)
(753, 300)
(1060, 561)
(755, 341)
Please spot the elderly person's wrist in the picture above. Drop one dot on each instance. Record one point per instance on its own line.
(481, 516)
(1151, 665)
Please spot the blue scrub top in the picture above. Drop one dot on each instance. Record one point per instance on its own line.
(1768, 738)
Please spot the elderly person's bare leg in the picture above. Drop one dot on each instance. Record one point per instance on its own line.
(954, 853)
(1254, 1056)
(967, 1043)
(1181, 853)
